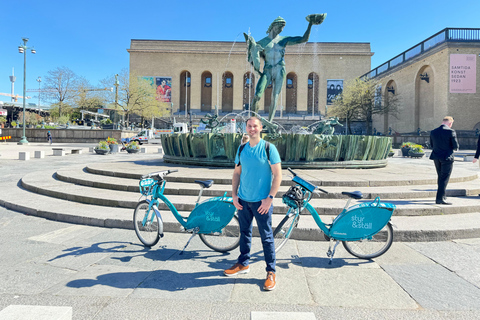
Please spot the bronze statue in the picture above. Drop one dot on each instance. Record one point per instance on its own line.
(327, 126)
(272, 50)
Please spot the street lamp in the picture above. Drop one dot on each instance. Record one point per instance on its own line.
(23, 49)
(39, 80)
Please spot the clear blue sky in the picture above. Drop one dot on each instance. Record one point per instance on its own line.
(92, 37)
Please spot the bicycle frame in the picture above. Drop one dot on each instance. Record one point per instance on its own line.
(357, 222)
(209, 216)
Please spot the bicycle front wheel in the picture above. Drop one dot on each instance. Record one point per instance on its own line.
(226, 240)
(281, 235)
(372, 247)
(146, 224)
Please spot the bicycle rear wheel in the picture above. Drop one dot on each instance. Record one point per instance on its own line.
(226, 240)
(146, 224)
(280, 236)
(373, 247)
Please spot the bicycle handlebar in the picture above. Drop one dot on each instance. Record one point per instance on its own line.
(160, 174)
(311, 184)
(291, 171)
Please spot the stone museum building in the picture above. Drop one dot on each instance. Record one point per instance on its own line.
(434, 78)
(204, 75)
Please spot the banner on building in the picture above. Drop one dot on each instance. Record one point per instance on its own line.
(463, 73)
(334, 88)
(163, 87)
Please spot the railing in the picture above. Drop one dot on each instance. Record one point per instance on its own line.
(446, 35)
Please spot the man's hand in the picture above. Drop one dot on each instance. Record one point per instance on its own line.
(266, 204)
(236, 203)
(474, 160)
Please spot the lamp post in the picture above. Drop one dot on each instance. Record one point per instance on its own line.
(23, 49)
(116, 84)
(39, 80)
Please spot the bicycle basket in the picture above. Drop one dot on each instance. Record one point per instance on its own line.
(293, 197)
(146, 186)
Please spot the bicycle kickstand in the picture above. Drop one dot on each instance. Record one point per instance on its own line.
(330, 252)
(195, 231)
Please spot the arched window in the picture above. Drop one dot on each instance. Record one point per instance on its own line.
(248, 89)
(291, 93)
(312, 102)
(206, 91)
(227, 92)
(185, 90)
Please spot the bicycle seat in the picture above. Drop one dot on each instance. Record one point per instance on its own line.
(205, 184)
(355, 194)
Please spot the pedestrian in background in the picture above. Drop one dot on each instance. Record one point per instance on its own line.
(49, 137)
(477, 153)
(443, 141)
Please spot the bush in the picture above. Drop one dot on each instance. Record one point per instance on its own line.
(102, 145)
(111, 140)
(416, 148)
(407, 144)
(133, 145)
(13, 123)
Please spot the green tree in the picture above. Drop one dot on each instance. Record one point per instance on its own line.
(87, 97)
(361, 99)
(66, 109)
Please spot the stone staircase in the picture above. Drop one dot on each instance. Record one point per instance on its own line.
(105, 193)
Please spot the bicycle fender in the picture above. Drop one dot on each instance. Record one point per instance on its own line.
(360, 223)
(211, 216)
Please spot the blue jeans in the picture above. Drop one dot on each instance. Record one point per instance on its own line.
(264, 223)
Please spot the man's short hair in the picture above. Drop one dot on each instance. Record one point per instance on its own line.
(254, 118)
(448, 119)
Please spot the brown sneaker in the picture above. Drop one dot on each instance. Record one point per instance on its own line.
(270, 282)
(236, 269)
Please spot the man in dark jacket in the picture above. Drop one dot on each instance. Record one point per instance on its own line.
(443, 141)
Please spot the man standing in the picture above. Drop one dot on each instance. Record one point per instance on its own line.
(443, 141)
(254, 185)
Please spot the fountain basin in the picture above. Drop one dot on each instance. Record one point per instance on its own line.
(296, 150)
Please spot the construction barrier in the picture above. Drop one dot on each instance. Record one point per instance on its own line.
(6, 138)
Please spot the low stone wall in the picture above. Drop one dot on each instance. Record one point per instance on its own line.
(466, 143)
(67, 135)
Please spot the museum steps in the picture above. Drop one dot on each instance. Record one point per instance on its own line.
(104, 194)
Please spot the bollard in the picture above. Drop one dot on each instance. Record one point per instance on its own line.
(40, 154)
(24, 155)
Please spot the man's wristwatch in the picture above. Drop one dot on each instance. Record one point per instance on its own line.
(270, 196)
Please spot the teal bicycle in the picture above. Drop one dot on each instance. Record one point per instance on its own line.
(214, 220)
(364, 229)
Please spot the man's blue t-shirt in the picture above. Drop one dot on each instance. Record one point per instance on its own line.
(256, 177)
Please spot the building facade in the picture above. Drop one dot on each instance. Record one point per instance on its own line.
(435, 78)
(205, 76)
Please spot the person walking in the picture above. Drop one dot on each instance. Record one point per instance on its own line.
(443, 141)
(477, 152)
(49, 137)
(256, 179)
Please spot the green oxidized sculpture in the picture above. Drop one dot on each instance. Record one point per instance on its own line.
(272, 50)
(210, 122)
(327, 126)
